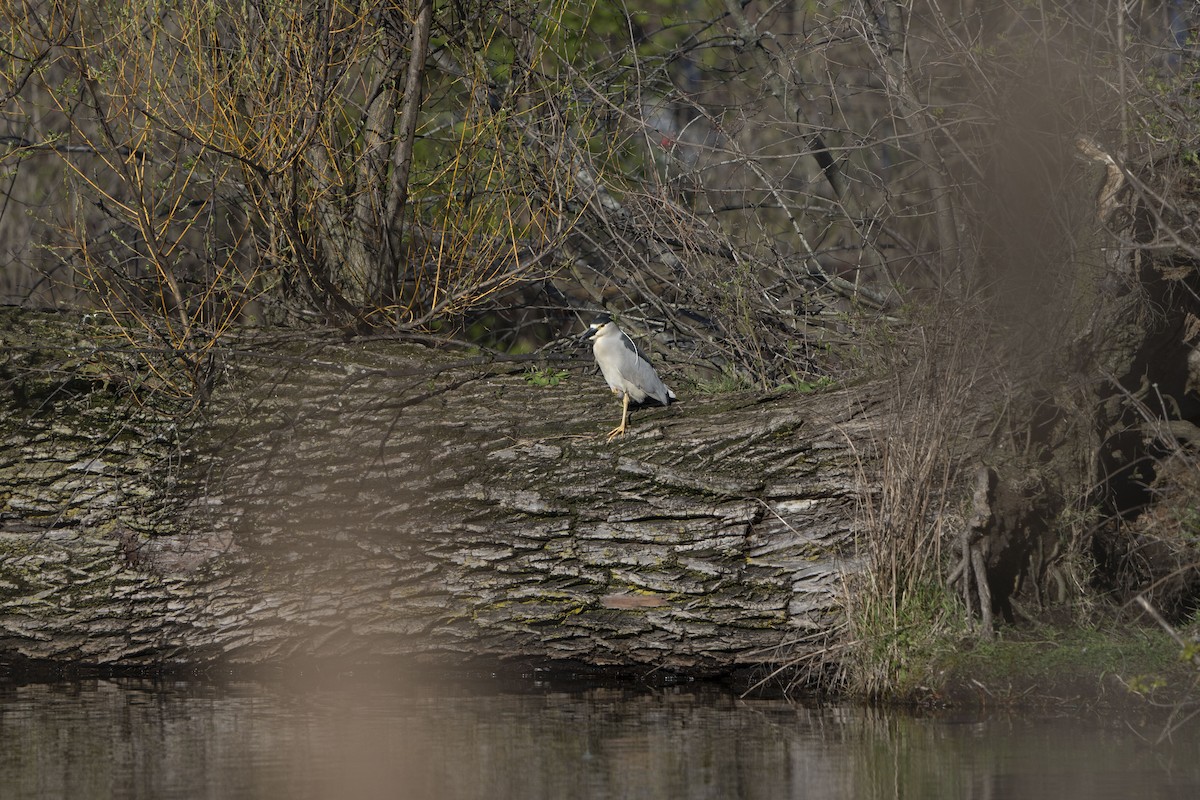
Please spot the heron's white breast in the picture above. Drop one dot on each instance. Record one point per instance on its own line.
(609, 352)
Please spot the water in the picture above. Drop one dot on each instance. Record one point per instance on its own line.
(341, 738)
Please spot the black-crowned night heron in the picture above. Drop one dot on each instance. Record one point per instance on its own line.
(626, 369)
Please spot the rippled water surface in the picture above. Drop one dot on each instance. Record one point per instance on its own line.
(341, 738)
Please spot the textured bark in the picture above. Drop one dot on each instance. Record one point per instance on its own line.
(368, 500)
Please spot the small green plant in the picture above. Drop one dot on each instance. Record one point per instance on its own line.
(1145, 684)
(546, 377)
(724, 384)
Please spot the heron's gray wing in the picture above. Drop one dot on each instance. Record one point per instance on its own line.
(646, 379)
(633, 348)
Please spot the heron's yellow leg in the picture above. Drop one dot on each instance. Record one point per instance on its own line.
(620, 429)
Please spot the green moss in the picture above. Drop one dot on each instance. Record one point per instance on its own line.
(546, 377)
(1052, 664)
(1051, 652)
(804, 386)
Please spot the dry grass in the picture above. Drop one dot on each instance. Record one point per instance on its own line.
(910, 511)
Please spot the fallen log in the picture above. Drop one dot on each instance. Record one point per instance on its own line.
(369, 500)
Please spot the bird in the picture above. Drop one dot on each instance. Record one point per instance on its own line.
(627, 371)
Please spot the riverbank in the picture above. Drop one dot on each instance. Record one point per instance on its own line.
(1099, 667)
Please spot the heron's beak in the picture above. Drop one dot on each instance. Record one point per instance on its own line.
(589, 333)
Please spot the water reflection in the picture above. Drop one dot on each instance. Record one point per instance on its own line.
(130, 738)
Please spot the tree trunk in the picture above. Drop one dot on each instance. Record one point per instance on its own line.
(1093, 344)
(367, 500)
